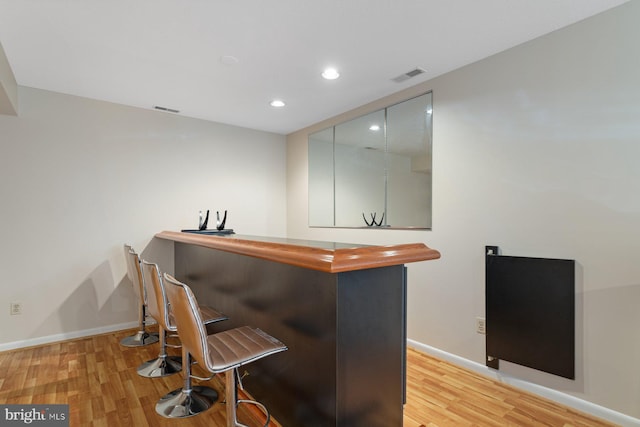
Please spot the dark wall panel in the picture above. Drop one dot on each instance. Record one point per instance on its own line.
(530, 310)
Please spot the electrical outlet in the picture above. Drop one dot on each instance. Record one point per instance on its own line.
(481, 325)
(15, 308)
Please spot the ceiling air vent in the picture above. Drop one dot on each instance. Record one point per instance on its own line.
(170, 110)
(408, 75)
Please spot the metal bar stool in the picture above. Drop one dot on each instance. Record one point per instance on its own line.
(222, 352)
(157, 305)
(187, 400)
(159, 309)
(142, 337)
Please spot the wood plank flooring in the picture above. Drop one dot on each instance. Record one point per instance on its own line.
(441, 394)
(97, 378)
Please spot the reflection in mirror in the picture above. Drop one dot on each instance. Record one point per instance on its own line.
(321, 179)
(360, 170)
(375, 169)
(409, 162)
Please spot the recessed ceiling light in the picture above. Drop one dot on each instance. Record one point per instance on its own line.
(277, 103)
(330, 74)
(374, 128)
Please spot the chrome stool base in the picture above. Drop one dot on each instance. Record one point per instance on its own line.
(139, 339)
(160, 367)
(182, 404)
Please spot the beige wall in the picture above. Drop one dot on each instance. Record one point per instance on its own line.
(79, 178)
(535, 150)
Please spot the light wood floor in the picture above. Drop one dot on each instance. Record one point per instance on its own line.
(441, 394)
(97, 378)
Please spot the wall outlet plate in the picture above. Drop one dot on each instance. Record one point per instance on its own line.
(15, 308)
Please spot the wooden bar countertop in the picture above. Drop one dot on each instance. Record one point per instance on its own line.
(330, 257)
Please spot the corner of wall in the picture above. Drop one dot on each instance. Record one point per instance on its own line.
(8, 87)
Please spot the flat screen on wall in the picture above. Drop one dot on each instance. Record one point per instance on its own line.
(530, 310)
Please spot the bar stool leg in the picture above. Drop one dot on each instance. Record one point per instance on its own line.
(142, 337)
(231, 382)
(164, 365)
(188, 400)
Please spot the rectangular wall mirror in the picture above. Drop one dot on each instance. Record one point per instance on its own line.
(375, 170)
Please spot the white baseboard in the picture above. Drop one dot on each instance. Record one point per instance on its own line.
(554, 395)
(66, 336)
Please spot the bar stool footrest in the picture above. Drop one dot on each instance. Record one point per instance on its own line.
(160, 367)
(139, 339)
(259, 405)
(182, 404)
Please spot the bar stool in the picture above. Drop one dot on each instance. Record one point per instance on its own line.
(158, 307)
(222, 352)
(142, 337)
(187, 400)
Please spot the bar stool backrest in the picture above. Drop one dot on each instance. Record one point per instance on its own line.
(186, 313)
(157, 302)
(135, 274)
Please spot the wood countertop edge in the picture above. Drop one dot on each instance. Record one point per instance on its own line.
(314, 258)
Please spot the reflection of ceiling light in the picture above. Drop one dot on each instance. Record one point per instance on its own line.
(277, 103)
(429, 111)
(330, 74)
(374, 128)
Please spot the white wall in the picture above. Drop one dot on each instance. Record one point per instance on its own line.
(79, 178)
(535, 150)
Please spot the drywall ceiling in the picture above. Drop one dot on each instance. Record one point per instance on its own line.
(225, 60)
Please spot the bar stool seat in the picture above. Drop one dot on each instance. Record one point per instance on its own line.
(221, 352)
(142, 337)
(159, 309)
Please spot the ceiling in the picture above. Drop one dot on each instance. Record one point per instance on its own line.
(174, 53)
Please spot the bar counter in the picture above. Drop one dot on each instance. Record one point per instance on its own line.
(340, 308)
(330, 257)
